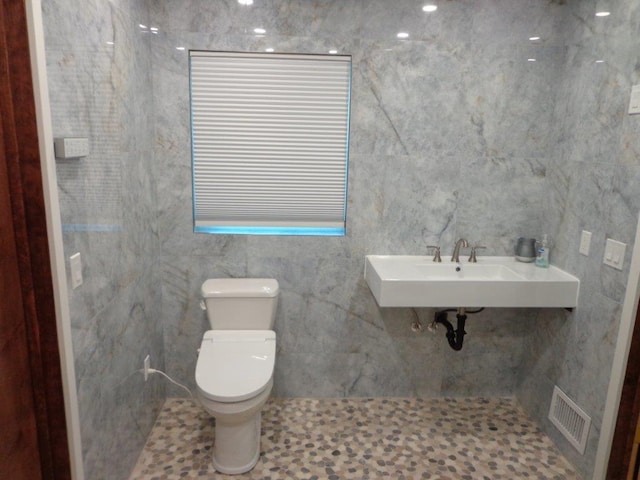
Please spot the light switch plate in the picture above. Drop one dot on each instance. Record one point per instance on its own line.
(614, 253)
(585, 243)
(75, 261)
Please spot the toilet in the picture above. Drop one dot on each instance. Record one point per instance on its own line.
(234, 371)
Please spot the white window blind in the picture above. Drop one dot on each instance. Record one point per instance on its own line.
(270, 142)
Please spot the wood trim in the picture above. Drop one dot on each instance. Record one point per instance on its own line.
(22, 159)
(628, 412)
(19, 455)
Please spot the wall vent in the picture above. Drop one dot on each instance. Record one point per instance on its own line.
(570, 419)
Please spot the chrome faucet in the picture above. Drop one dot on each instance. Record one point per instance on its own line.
(456, 250)
(473, 258)
(436, 253)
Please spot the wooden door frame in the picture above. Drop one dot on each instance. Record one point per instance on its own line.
(21, 157)
(620, 457)
(623, 358)
(36, 46)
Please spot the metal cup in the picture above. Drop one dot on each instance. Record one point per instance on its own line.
(525, 249)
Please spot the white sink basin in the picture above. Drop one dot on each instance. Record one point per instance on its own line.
(417, 281)
(469, 271)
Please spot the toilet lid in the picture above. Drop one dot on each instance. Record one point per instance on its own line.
(235, 365)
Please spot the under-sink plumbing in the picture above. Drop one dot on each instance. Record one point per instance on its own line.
(416, 325)
(455, 337)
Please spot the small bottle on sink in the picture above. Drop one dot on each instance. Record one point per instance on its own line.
(542, 257)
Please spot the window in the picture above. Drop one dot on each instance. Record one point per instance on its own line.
(269, 142)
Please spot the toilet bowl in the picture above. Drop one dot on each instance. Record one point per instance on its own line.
(234, 377)
(234, 370)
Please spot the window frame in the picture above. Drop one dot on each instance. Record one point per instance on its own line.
(279, 226)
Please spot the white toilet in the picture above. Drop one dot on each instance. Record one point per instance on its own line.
(234, 371)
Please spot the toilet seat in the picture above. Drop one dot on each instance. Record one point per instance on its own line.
(235, 365)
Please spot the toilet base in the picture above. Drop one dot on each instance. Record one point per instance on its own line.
(236, 448)
(237, 445)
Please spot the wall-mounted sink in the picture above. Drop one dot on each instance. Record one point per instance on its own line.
(417, 281)
(465, 272)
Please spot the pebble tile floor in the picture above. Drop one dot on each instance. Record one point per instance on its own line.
(397, 439)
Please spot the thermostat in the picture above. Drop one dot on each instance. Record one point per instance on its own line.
(71, 147)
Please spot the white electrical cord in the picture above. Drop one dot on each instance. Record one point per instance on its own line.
(153, 370)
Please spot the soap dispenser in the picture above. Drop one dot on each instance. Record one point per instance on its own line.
(542, 258)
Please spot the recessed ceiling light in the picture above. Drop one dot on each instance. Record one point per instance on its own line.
(142, 26)
(259, 30)
(179, 48)
(269, 50)
(333, 52)
(110, 43)
(245, 2)
(603, 14)
(531, 59)
(599, 61)
(430, 7)
(403, 35)
(533, 39)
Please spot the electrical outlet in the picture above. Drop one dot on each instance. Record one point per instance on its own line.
(585, 243)
(634, 103)
(147, 367)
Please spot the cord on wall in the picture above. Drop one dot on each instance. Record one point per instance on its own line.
(147, 366)
(147, 370)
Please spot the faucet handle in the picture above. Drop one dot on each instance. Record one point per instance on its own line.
(436, 252)
(472, 257)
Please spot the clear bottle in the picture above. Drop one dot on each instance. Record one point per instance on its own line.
(542, 257)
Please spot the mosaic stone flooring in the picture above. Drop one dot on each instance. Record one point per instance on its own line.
(398, 439)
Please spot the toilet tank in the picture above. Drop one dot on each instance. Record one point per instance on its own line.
(241, 303)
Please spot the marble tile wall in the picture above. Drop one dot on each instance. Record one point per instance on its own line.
(453, 133)
(593, 185)
(449, 138)
(101, 90)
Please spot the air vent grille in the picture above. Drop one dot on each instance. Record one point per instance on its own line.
(570, 419)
